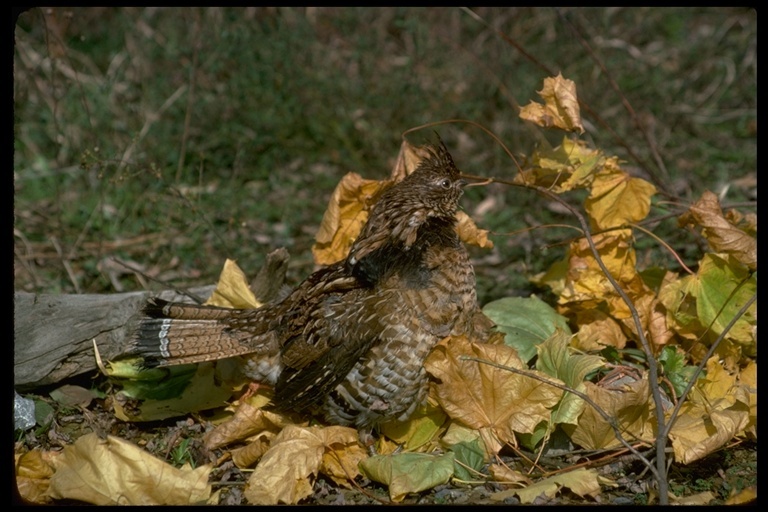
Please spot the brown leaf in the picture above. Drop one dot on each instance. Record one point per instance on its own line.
(247, 421)
(346, 214)
(407, 160)
(343, 453)
(485, 397)
(469, 233)
(288, 469)
(721, 234)
(560, 108)
(631, 406)
(71, 395)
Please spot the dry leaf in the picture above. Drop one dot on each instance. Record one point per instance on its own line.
(469, 233)
(71, 395)
(232, 290)
(485, 397)
(247, 421)
(288, 470)
(714, 414)
(560, 108)
(408, 160)
(34, 470)
(247, 456)
(346, 214)
(115, 472)
(632, 408)
(597, 330)
(617, 199)
(748, 379)
(582, 482)
(343, 454)
(505, 475)
(719, 232)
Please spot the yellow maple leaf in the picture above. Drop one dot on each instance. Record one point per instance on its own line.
(288, 469)
(248, 420)
(346, 214)
(717, 410)
(232, 290)
(560, 108)
(469, 233)
(34, 470)
(618, 199)
(597, 330)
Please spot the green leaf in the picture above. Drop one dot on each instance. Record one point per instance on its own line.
(158, 383)
(556, 360)
(526, 322)
(469, 455)
(43, 413)
(408, 472)
(721, 287)
(675, 369)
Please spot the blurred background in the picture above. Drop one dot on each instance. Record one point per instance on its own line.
(169, 139)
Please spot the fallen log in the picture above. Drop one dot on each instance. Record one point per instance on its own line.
(54, 334)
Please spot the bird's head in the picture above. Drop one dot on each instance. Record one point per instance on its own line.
(436, 182)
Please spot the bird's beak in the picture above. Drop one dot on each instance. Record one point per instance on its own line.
(475, 180)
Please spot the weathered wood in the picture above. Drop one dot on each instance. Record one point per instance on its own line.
(53, 334)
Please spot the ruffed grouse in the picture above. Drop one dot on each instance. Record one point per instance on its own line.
(350, 341)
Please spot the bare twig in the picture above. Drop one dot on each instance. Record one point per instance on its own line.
(607, 417)
(624, 101)
(668, 428)
(65, 263)
(150, 119)
(666, 246)
(189, 294)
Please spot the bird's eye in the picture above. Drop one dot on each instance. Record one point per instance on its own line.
(445, 183)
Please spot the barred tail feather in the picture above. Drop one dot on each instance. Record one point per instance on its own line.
(174, 333)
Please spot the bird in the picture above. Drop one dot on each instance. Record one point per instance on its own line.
(349, 342)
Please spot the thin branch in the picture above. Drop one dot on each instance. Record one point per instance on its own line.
(150, 119)
(653, 369)
(700, 368)
(666, 246)
(65, 263)
(607, 417)
(624, 101)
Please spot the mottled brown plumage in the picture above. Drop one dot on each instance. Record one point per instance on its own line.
(350, 341)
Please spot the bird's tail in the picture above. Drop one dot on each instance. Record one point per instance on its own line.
(172, 333)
